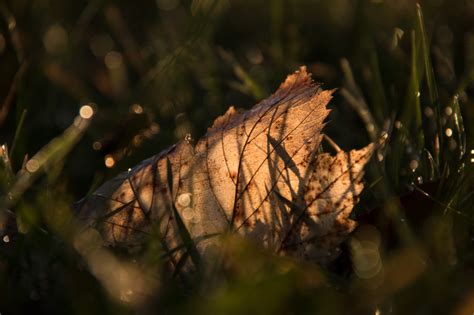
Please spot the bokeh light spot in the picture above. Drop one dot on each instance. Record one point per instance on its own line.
(413, 165)
(55, 39)
(109, 161)
(32, 166)
(137, 109)
(448, 110)
(113, 60)
(86, 111)
(96, 145)
(101, 44)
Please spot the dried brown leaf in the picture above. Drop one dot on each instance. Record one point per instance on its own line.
(255, 173)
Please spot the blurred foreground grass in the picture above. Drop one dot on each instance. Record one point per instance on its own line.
(89, 88)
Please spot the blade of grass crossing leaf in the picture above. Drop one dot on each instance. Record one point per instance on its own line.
(114, 212)
(169, 176)
(180, 264)
(191, 249)
(171, 251)
(187, 240)
(294, 208)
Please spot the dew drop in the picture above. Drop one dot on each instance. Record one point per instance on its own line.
(184, 200)
(188, 138)
(188, 214)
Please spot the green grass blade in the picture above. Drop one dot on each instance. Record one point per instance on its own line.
(411, 129)
(377, 92)
(431, 82)
(430, 78)
(459, 126)
(18, 131)
(49, 155)
(415, 94)
(6, 161)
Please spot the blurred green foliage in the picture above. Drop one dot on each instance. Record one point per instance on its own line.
(153, 71)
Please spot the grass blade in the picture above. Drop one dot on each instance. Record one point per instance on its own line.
(188, 242)
(18, 130)
(431, 82)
